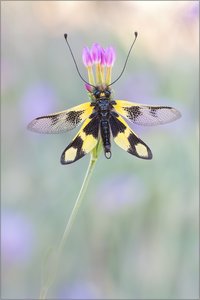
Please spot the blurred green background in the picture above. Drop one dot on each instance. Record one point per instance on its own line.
(136, 234)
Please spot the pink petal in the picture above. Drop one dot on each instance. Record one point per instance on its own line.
(86, 56)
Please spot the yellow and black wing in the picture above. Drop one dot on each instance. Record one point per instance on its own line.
(62, 121)
(125, 138)
(84, 142)
(146, 114)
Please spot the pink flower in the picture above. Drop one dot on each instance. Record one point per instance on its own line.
(96, 53)
(103, 57)
(99, 62)
(110, 56)
(87, 58)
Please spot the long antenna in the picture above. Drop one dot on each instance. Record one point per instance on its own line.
(65, 36)
(136, 34)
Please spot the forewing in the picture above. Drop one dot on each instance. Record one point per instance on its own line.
(125, 138)
(62, 121)
(146, 114)
(84, 142)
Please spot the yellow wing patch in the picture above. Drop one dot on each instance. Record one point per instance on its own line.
(141, 150)
(70, 154)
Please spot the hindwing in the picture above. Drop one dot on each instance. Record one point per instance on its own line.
(125, 138)
(84, 142)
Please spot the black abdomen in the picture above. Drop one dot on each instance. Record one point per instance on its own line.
(105, 134)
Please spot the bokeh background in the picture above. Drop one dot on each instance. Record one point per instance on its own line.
(136, 234)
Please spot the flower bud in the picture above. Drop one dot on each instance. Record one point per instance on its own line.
(87, 58)
(110, 56)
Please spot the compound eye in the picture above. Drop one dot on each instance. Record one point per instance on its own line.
(107, 93)
(97, 93)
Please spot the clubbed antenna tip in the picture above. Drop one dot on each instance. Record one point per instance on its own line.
(65, 36)
(136, 34)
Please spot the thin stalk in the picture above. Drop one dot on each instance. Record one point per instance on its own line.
(52, 273)
(78, 202)
(108, 75)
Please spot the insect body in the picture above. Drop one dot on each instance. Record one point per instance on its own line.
(102, 116)
(102, 111)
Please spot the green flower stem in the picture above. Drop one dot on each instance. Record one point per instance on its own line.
(52, 273)
(78, 202)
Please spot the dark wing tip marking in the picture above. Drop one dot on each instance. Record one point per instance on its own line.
(75, 146)
(63, 161)
(138, 147)
(68, 162)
